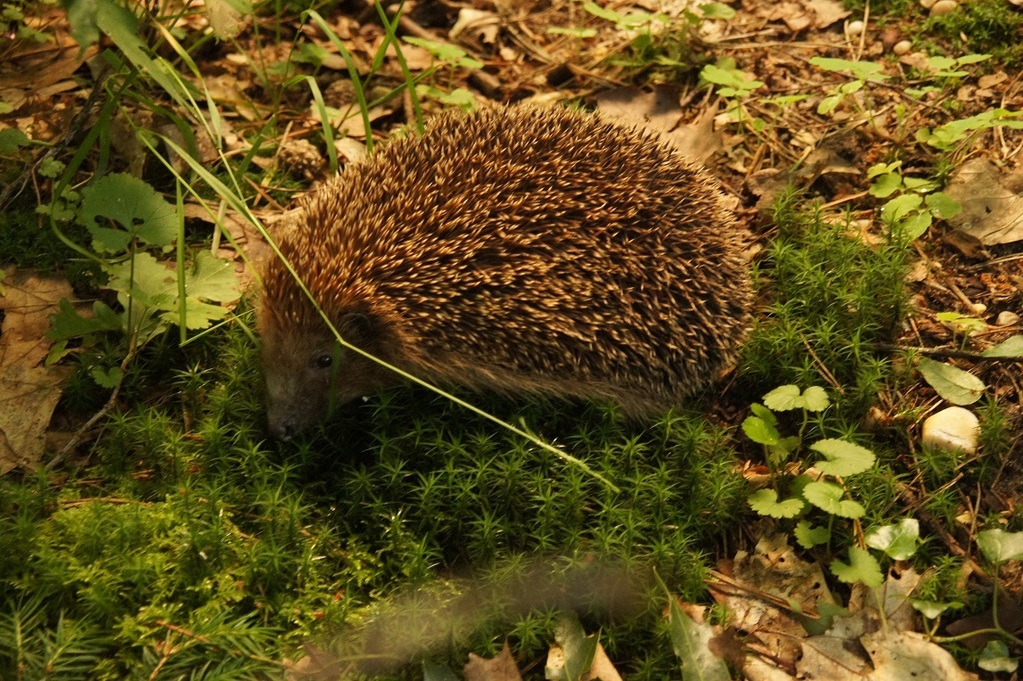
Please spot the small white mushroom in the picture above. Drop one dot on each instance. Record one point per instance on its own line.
(943, 7)
(854, 28)
(902, 47)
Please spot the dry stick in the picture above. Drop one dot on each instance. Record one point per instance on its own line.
(946, 352)
(80, 433)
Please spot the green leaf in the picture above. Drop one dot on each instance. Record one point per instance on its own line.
(578, 648)
(134, 205)
(108, 378)
(788, 397)
(916, 225)
(942, 205)
(844, 458)
(809, 536)
(968, 59)
(862, 567)
(919, 185)
(764, 413)
(760, 431)
(81, 15)
(445, 52)
(12, 139)
(886, 185)
(765, 502)
(730, 78)
(67, 323)
(829, 104)
(717, 10)
(691, 642)
(1010, 347)
(883, 168)
(932, 609)
(815, 398)
(898, 541)
(995, 658)
(122, 27)
(598, 11)
(864, 70)
(154, 286)
(827, 496)
(953, 384)
(901, 206)
(999, 546)
(784, 398)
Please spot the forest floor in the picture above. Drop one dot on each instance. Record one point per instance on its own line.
(881, 118)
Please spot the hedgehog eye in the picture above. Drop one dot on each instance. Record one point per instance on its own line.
(324, 361)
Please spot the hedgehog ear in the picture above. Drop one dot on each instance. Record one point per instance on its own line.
(358, 328)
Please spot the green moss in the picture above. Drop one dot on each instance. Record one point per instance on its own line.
(983, 27)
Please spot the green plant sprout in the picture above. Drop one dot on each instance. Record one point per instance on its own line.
(915, 204)
(454, 58)
(998, 547)
(735, 86)
(660, 39)
(821, 486)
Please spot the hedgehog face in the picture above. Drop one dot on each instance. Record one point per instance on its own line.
(309, 373)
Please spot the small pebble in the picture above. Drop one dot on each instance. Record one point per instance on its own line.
(951, 429)
(943, 7)
(1007, 318)
(902, 47)
(978, 308)
(854, 28)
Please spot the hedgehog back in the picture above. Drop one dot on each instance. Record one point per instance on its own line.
(527, 249)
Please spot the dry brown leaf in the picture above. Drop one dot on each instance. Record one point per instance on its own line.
(774, 570)
(992, 206)
(895, 652)
(601, 669)
(826, 12)
(656, 110)
(901, 655)
(660, 112)
(502, 667)
(29, 390)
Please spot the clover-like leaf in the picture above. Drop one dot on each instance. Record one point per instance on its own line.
(844, 458)
(827, 496)
(932, 609)
(760, 431)
(810, 536)
(898, 541)
(765, 502)
(862, 567)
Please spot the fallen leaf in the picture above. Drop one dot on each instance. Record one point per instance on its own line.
(768, 584)
(992, 206)
(826, 12)
(29, 390)
(659, 111)
(502, 667)
(899, 655)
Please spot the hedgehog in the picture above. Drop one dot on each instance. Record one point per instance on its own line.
(515, 250)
